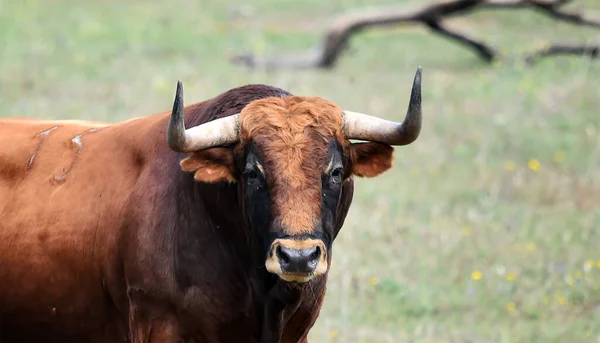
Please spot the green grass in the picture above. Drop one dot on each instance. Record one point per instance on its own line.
(460, 202)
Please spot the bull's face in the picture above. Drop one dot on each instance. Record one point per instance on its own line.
(293, 206)
(291, 159)
(295, 162)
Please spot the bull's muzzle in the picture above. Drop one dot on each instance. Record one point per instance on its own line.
(303, 261)
(297, 260)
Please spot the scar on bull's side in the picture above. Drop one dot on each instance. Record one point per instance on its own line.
(42, 136)
(78, 143)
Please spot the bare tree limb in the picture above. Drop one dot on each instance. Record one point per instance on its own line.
(553, 10)
(550, 8)
(485, 52)
(562, 49)
(336, 38)
(519, 4)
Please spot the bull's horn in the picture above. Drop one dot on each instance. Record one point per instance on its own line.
(218, 132)
(365, 127)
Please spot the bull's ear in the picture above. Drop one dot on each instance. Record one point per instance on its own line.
(370, 159)
(210, 165)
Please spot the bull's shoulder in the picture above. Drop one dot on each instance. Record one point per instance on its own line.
(21, 137)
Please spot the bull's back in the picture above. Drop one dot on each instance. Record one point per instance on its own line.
(63, 190)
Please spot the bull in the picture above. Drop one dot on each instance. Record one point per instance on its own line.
(221, 233)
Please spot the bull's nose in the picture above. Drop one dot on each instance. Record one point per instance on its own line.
(298, 261)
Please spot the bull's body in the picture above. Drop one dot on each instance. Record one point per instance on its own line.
(104, 239)
(110, 233)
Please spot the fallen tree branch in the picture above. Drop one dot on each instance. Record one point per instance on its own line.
(485, 52)
(336, 39)
(553, 10)
(345, 25)
(550, 8)
(562, 49)
(524, 3)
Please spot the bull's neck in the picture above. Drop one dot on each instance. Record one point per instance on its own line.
(203, 223)
(210, 224)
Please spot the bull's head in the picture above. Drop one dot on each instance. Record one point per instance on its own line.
(291, 157)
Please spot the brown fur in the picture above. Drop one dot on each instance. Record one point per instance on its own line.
(210, 165)
(292, 133)
(371, 159)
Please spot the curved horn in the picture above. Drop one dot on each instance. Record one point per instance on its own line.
(218, 132)
(365, 127)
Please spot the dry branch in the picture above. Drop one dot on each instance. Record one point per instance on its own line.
(552, 9)
(562, 49)
(431, 16)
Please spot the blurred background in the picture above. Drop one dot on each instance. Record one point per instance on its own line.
(486, 228)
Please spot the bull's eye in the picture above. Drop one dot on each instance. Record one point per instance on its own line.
(336, 175)
(251, 175)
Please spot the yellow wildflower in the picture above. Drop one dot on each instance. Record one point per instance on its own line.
(511, 276)
(259, 46)
(569, 280)
(531, 246)
(598, 263)
(476, 275)
(588, 265)
(398, 220)
(374, 281)
(466, 231)
(559, 157)
(511, 307)
(534, 165)
(510, 165)
(561, 299)
(333, 334)
(527, 85)
(79, 58)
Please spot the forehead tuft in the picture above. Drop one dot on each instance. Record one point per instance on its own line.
(290, 116)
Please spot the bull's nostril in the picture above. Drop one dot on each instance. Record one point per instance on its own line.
(316, 254)
(283, 257)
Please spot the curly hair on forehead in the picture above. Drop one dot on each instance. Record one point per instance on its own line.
(293, 135)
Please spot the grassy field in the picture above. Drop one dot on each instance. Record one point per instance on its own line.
(486, 229)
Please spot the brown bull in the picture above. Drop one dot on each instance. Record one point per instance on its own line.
(221, 233)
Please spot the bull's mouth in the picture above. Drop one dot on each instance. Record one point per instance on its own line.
(296, 277)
